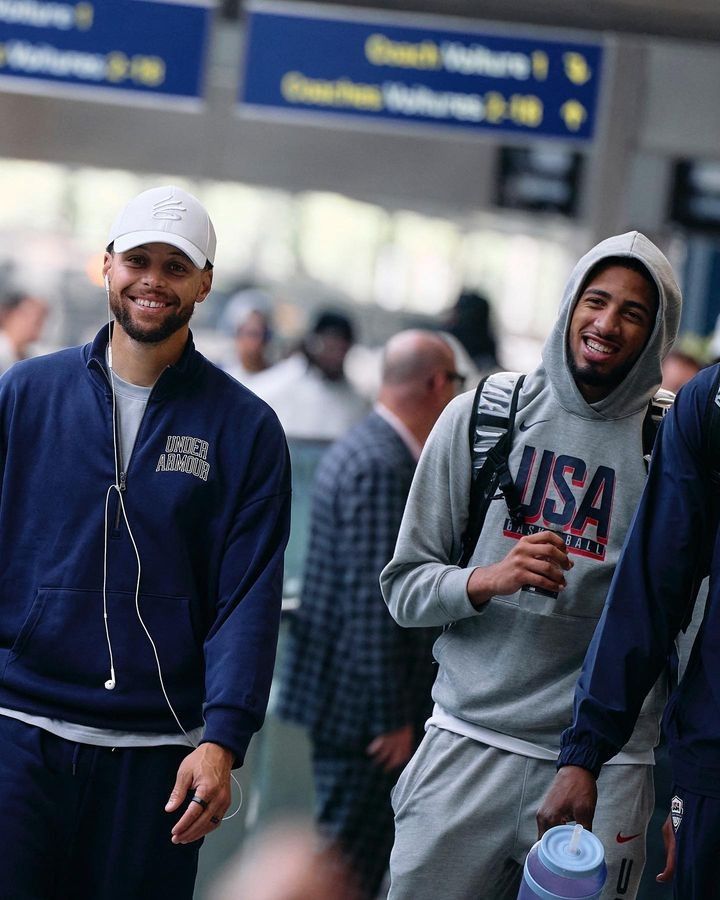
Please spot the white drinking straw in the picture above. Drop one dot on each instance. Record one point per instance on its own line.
(575, 840)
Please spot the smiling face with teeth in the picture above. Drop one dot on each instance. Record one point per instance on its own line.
(153, 290)
(610, 326)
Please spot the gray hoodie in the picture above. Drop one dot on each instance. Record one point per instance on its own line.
(511, 666)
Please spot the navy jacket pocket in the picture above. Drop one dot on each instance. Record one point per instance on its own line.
(61, 652)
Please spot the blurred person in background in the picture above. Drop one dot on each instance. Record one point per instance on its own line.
(248, 317)
(464, 364)
(677, 369)
(22, 317)
(352, 677)
(309, 391)
(470, 320)
(286, 862)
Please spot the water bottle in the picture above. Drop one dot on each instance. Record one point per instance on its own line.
(567, 863)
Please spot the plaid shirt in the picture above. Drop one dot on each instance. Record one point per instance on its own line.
(351, 673)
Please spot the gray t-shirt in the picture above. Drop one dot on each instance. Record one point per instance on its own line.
(130, 403)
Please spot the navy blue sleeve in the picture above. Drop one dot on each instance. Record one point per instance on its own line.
(241, 645)
(651, 590)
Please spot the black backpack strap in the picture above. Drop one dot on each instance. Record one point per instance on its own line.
(477, 399)
(490, 437)
(477, 484)
(657, 409)
(505, 480)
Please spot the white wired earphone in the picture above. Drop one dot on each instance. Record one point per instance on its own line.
(115, 487)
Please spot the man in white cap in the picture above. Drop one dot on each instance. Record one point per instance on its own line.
(144, 509)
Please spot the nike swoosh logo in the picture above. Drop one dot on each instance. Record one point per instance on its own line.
(525, 425)
(623, 839)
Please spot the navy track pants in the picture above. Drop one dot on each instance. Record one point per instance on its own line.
(86, 822)
(696, 820)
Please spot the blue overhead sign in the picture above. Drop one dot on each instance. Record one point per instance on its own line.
(134, 49)
(303, 61)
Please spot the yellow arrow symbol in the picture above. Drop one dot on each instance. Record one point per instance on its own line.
(573, 114)
(576, 68)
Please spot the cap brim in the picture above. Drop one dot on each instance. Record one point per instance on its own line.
(136, 238)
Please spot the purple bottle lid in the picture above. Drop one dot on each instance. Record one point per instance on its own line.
(556, 854)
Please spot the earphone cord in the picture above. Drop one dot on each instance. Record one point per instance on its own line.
(116, 487)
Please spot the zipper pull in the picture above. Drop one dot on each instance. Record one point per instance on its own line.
(123, 485)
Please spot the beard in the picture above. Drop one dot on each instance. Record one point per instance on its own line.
(153, 334)
(590, 377)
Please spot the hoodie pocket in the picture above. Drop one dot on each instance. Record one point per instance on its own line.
(63, 640)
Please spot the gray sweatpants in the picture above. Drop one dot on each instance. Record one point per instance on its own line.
(465, 820)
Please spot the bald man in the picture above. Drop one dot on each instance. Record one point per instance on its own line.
(358, 682)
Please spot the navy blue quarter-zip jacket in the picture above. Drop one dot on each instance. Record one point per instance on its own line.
(670, 546)
(207, 497)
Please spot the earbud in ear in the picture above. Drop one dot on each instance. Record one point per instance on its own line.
(107, 284)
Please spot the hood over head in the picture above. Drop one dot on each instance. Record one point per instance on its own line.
(639, 385)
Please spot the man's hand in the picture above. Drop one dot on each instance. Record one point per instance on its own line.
(572, 797)
(205, 773)
(392, 749)
(668, 834)
(537, 559)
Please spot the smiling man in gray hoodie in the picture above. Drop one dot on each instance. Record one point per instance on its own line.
(508, 657)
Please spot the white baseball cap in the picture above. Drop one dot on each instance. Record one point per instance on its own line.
(166, 215)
